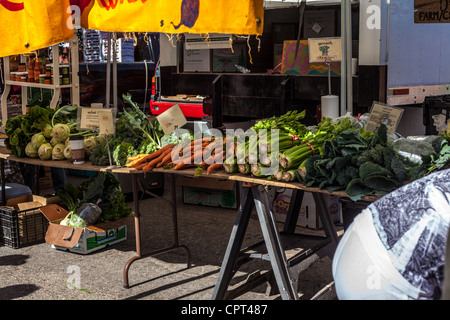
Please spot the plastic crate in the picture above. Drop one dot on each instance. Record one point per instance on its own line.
(22, 228)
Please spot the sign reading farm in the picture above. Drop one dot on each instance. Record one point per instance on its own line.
(431, 11)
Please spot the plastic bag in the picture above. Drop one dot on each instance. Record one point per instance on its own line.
(413, 152)
(85, 216)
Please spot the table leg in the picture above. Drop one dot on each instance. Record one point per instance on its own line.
(276, 253)
(235, 242)
(2, 168)
(176, 244)
(293, 211)
(137, 231)
(328, 225)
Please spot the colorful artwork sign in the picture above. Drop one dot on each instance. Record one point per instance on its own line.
(301, 65)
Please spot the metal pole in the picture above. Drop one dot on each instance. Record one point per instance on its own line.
(343, 101)
(349, 56)
(115, 70)
(108, 72)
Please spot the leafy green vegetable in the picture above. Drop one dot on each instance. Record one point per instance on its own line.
(356, 161)
(103, 190)
(121, 153)
(288, 122)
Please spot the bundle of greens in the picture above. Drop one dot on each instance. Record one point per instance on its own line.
(42, 126)
(20, 128)
(357, 161)
(289, 122)
(135, 134)
(103, 190)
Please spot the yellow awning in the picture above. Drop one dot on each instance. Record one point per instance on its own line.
(28, 25)
(173, 16)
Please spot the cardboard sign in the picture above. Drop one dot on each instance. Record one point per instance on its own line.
(302, 65)
(106, 122)
(382, 113)
(431, 11)
(171, 118)
(90, 118)
(325, 49)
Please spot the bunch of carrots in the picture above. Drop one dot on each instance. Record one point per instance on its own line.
(210, 156)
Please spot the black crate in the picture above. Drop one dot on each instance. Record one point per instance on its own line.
(22, 228)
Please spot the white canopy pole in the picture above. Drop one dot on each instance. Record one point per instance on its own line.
(108, 72)
(343, 95)
(115, 70)
(348, 56)
(346, 63)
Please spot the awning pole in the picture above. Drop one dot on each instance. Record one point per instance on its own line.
(343, 94)
(115, 70)
(108, 72)
(349, 48)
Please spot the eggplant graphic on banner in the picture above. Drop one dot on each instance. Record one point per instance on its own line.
(189, 13)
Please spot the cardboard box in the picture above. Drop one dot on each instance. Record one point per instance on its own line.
(81, 240)
(209, 192)
(308, 214)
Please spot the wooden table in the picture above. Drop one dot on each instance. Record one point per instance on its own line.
(286, 263)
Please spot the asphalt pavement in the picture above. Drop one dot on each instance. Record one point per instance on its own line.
(41, 272)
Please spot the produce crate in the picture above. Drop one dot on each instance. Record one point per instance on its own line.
(22, 228)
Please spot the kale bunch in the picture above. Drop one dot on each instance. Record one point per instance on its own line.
(357, 161)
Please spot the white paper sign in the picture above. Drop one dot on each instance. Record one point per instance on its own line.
(171, 118)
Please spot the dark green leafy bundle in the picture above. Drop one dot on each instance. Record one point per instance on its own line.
(36, 120)
(358, 162)
(66, 114)
(121, 152)
(99, 155)
(104, 190)
(20, 128)
(17, 139)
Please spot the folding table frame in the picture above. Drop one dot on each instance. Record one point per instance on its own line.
(285, 270)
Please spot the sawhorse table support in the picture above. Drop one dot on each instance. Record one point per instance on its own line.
(283, 270)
